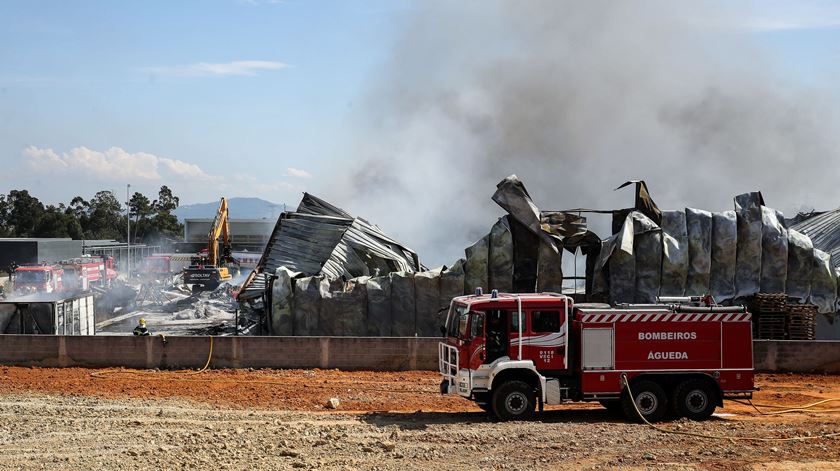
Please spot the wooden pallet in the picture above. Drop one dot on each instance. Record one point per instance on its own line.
(802, 322)
(772, 325)
(769, 302)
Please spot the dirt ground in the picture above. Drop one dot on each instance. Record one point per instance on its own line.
(272, 419)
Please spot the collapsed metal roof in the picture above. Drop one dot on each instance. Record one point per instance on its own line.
(322, 239)
(824, 231)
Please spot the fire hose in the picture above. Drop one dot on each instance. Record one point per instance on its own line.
(725, 437)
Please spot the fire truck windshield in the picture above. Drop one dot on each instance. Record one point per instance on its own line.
(32, 276)
(458, 321)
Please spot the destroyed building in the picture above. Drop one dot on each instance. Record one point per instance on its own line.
(326, 272)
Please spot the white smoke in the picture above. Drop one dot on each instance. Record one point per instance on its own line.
(576, 98)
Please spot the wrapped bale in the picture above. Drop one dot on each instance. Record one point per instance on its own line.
(379, 306)
(500, 259)
(674, 253)
(622, 265)
(307, 304)
(823, 283)
(451, 286)
(699, 224)
(600, 271)
(799, 266)
(724, 255)
(774, 252)
(748, 265)
(475, 268)
(427, 304)
(550, 269)
(402, 304)
(344, 311)
(647, 249)
(282, 295)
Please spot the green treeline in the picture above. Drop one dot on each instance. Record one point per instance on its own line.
(101, 217)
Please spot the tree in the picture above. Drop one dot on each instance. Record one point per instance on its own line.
(164, 222)
(105, 217)
(166, 200)
(23, 213)
(141, 208)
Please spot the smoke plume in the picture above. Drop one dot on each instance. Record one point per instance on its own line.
(576, 98)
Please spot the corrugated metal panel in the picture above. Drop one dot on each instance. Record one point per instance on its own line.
(321, 239)
(824, 231)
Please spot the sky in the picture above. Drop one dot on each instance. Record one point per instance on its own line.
(271, 98)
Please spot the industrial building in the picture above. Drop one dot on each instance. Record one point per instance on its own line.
(246, 234)
(26, 251)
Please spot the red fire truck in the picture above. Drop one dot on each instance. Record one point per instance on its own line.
(38, 279)
(513, 352)
(82, 273)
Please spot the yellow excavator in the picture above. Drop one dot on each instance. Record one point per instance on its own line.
(209, 270)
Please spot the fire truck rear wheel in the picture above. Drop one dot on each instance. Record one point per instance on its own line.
(651, 401)
(514, 400)
(694, 399)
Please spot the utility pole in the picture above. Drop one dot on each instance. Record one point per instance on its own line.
(128, 231)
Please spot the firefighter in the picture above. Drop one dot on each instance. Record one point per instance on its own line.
(141, 328)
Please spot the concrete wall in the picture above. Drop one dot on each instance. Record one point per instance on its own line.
(347, 353)
(801, 356)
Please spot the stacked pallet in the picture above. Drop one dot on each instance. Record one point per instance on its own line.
(802, 322)
(770, 314)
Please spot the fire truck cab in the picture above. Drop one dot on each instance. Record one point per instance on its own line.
(38, 279)
(512, 353)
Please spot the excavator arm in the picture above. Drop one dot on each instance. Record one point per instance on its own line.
(219, 229)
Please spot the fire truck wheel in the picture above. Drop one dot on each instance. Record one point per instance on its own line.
(694, 399)
(514, 400)
(650, 400)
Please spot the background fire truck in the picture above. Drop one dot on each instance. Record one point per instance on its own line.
(84, 273)
(38, 279)
(513, 352)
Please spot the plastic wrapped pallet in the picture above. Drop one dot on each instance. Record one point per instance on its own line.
(622, 265)
(774, 252)
(724, 255)
(475, 269)
(402, 304)
(427, 304)
(282, 295)
(600, 271)
(674, 253)
(647, 250)
(748, 268)
(550, 269)
(800, 265)
(451, 286)
(699, 224)
(823, 283)
(379, 306)
(344, 311)
(307, 304)
(500, 259)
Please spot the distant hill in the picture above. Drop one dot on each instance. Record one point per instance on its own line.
(240, 208)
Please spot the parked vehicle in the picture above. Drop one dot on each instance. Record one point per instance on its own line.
(512, 353)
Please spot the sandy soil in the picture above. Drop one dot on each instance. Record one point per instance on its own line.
(268, 419)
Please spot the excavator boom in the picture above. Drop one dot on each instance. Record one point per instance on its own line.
(209, 272)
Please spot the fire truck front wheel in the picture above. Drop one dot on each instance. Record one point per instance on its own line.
(514, 400)
(694, 399)
(651, 401)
